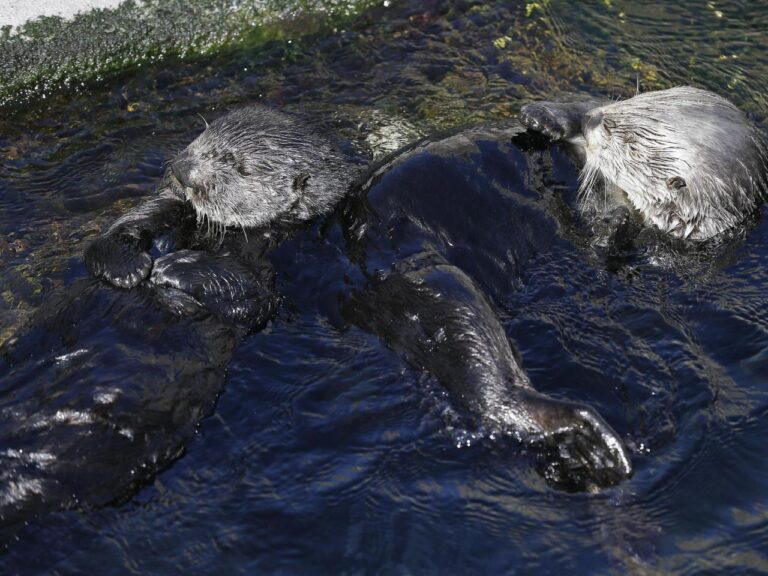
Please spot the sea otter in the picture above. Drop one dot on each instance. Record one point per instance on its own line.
(685, 160)
(265, 173)
(427, 247)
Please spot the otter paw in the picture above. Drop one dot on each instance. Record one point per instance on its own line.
(119, 259)
(219, 283)
(615, 231)
(547, 119)
(580, 452)
(573, 448)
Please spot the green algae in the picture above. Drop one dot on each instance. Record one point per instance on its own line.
(50, 53)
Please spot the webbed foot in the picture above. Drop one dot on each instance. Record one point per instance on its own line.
(120, 259)
(575, 449)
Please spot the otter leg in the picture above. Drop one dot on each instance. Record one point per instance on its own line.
(219, 283)
(435, 316)
(557, 120)
(121, 255)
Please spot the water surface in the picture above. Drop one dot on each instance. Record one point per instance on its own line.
(325, 452)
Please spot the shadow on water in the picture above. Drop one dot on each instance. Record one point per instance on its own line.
(325, 452)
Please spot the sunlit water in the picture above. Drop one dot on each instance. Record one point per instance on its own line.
(326, 453)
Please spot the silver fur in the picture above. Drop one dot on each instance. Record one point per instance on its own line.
(256, 166)
(645, 145)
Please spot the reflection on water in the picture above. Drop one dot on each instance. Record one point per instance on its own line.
(325, 453)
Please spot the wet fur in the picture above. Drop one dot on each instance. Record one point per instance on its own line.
(686, 159)
(256, 166)
(482, 372)
(90, 415)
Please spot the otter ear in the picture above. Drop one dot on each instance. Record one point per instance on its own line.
(676, 183)
(300, 182)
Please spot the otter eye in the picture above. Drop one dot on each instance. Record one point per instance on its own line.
(300, 182)
(676, 183)
(229, 158)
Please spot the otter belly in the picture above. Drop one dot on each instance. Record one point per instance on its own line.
(472, 199)
(442, 239)
(105, 387)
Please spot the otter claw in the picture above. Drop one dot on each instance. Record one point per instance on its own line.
(118, 259)
(219, 283)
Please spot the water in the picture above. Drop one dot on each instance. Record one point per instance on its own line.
(325, 452)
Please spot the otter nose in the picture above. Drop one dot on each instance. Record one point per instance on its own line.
(184, 170)
(592, 121)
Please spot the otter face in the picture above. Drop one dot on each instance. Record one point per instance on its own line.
(255, 166)
(687, 159)
(634, 151)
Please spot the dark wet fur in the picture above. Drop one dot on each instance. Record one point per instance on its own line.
(432, 276)
(430, 279)
(106, 386)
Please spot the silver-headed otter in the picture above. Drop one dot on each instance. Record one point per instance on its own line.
(687, 160)
(255, 166)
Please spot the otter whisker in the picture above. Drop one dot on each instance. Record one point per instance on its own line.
(684, 135)
(240, 221)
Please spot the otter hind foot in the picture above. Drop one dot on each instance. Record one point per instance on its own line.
(121, 260)
(576, 450)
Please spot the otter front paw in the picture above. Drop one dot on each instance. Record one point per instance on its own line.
(220, 284)
(120, 259)
(554, 121)
(615, 231)
(574, 449)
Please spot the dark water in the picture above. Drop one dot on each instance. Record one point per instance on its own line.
(325, 452)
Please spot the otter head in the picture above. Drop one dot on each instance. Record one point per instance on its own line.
(255, 166)
(686, 158)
